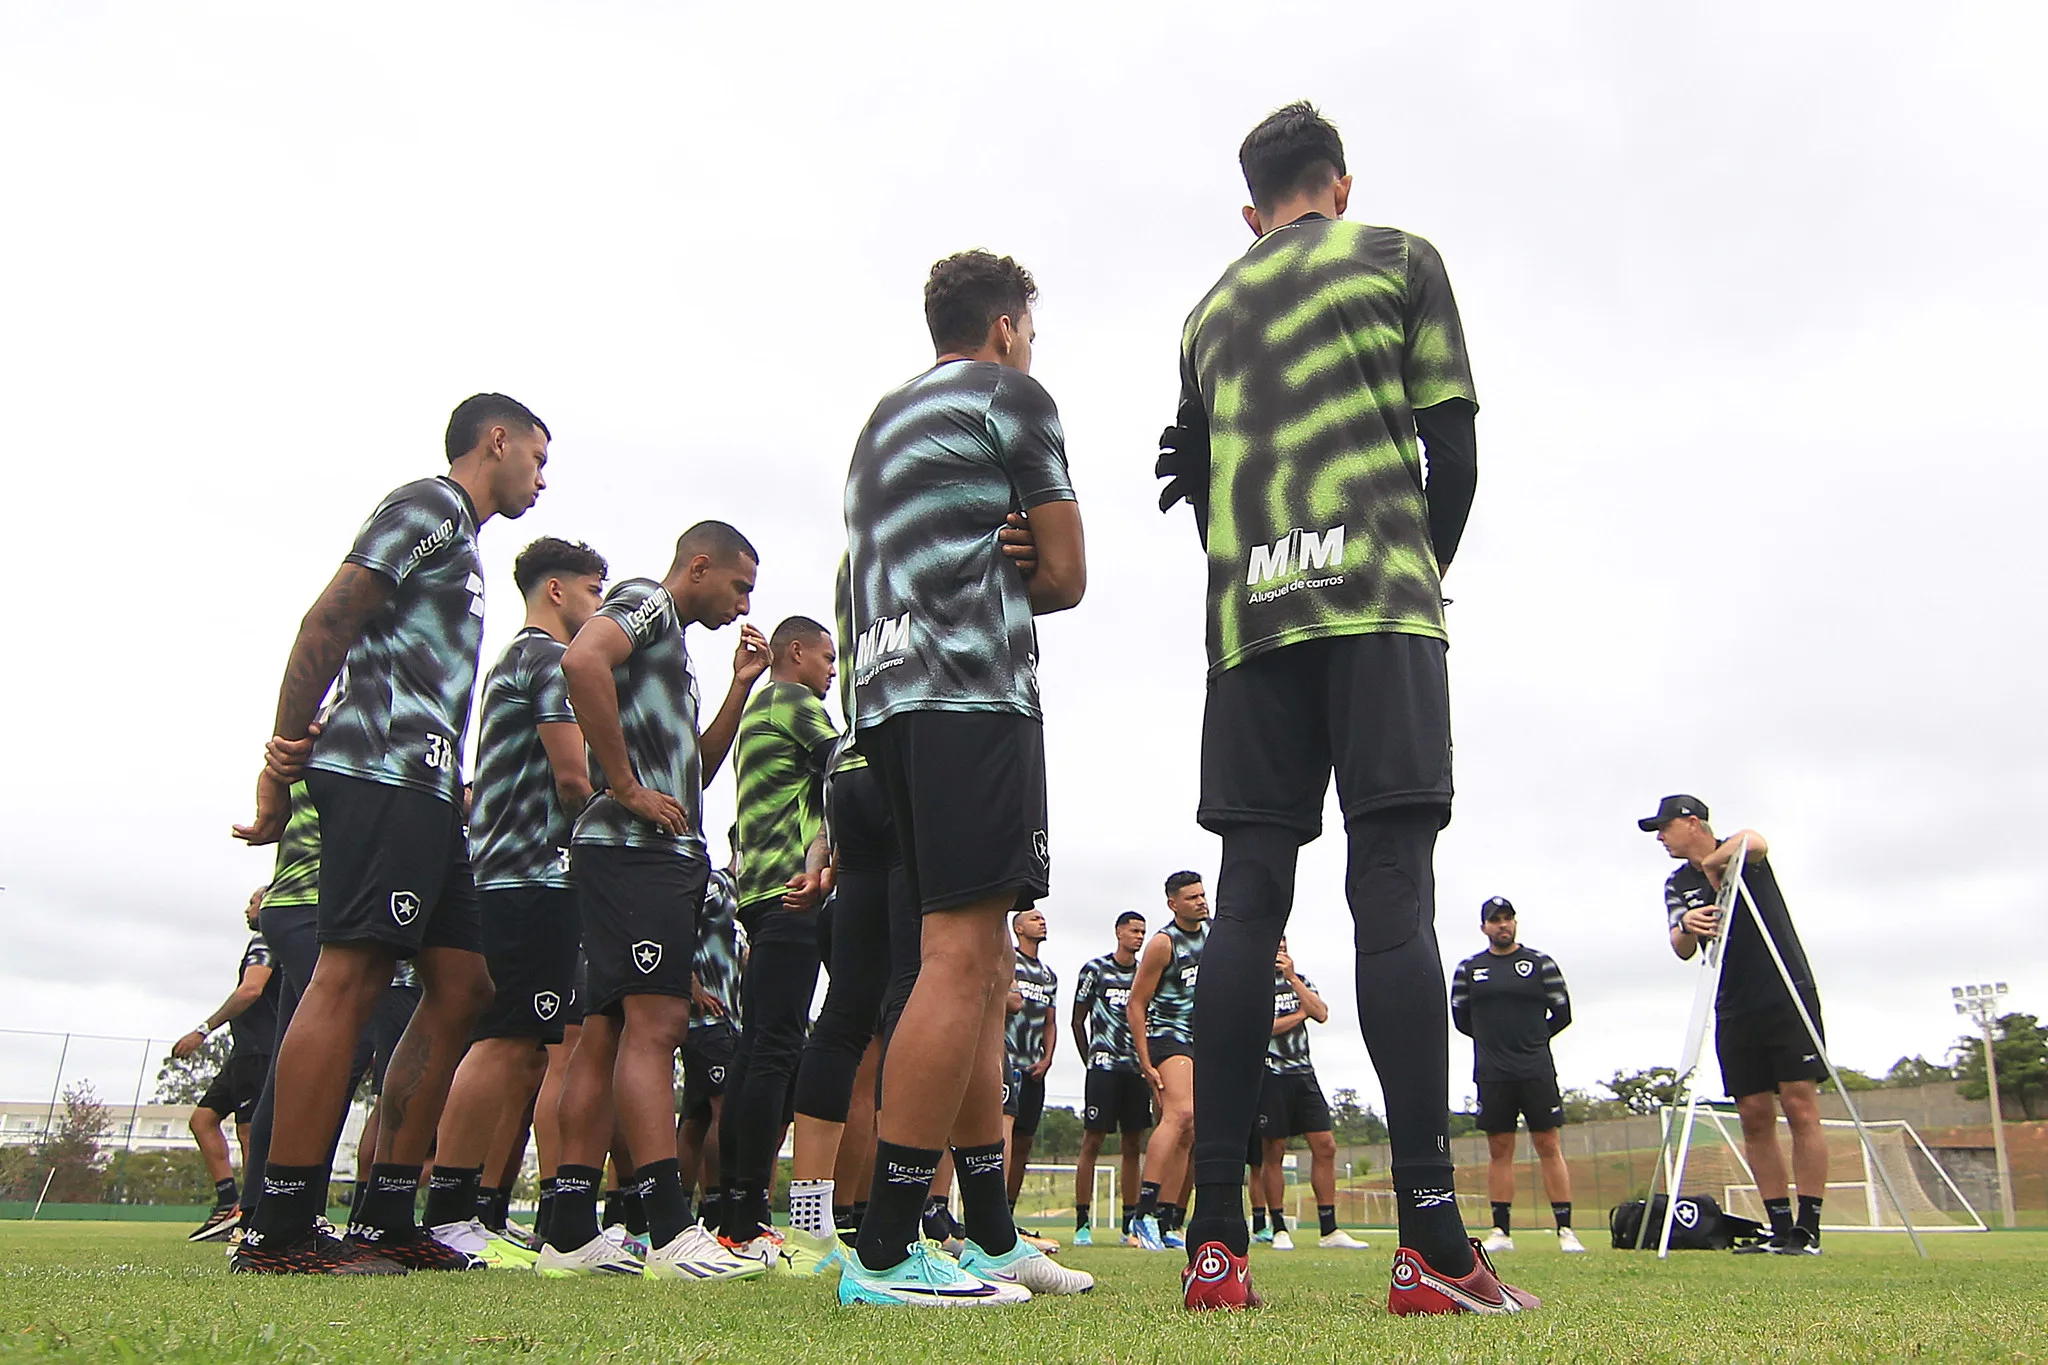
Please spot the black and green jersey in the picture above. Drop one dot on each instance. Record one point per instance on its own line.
(296, 878)
(518, 831)
(941, 617)
(1103, 989)
(780, 757)
(1288, 1051)
(253, 1032)
(1024, 1035)
(1307, 361)
(400, 709)
(1171, 1013)
(717, 964)
(848, 755)
(658, 712)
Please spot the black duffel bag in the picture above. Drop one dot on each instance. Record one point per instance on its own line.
(1698, 1225)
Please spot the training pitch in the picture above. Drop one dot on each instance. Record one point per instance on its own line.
(138, 1292)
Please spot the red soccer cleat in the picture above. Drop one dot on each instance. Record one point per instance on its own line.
(1418, 1289)
(1217, 1279)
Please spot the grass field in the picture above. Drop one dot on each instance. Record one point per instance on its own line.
(138, 1291)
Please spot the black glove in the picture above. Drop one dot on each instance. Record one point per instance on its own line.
(1184, 463)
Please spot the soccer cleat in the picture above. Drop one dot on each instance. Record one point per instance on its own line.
(1794, 1241)
(1497, 1240)
(419, 1251)
(1049, 1245)
(697, 1255)
(1146, 1230)
(1083, 1237)
(1418, 1289)
(1171, 1239)
(632, 1243)
(1263, 1235)
(328, 1230)
(220, 1223)
(471, 1236)
(1217, 1279)
(803, 1254)
(1025, 1265)
(926, 1278)
(1282, 1240)
(1567, 1240)
(1341, 1240)
(766, 1248)
(516, 1232)
(312, 1254)
(598, 1256)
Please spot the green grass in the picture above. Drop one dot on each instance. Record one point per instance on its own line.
(138, 1291)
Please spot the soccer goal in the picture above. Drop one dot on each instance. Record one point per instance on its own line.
(1856, 1199)
(1048, 1193)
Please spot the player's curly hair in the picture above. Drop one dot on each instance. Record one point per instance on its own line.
(1294, 150)
(552, 557)
(967, 292)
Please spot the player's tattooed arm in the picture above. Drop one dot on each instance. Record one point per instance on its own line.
(749, 661)
(563, 742)
(601, 646)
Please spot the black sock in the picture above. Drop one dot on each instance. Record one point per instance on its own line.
(936, 1221)
(451, 1194)
(1809, 1214)
(984, 1198)
(1219, 1217)
(711, 1210)
(358, 1195)
(1503, 1215)
(546, 1211)
(1080, 1216)
(498, 1211)
(1130, 1218)
(614, 1214)
(574, 1219)
(1148, 1199)
(635, 1211)
(1258, 1219)
(1427, 1206)
(1779, 1211)
(742, 1214)
(1562, 1213)
(843, 1219)
(291, 1201)
(660, 1187)
(903, 1180)
(226, 1194)
(1326, 1218)
(388, 1209)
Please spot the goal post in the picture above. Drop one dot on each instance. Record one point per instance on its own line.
(1856, 1198)
(1048, 1192)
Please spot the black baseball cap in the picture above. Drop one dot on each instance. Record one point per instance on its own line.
(1496, 905)
(1128, 915)
(1672, 808)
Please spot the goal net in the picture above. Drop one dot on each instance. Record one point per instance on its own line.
(1856, 1200)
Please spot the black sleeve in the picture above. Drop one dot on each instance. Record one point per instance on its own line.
(1556, 997)
(1452, 448)
(1461, 998)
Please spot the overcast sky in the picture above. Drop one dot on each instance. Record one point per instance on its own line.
(1753, 296)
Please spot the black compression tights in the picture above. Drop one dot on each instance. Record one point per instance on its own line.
(860, 970)
(1391, 887)
(775, 1005)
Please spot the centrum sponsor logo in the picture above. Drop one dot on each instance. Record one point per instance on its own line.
(881, 646)
(431, 542)
(646, 613)
(1297, 552)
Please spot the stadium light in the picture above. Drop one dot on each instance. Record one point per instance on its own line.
(1980, 1003)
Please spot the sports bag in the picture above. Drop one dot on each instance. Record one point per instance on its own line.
(1698, 1225)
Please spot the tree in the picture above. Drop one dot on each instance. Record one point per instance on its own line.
(1059, 1134)
(1354, 1122)
(2022, 1063)
(1583, 1106)
(1909, 1071)
(1852, 1079)
(72, 1149)
(1644, 1092)
(178, 1177)
(182, 1080)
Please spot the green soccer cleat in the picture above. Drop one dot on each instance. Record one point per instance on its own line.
(1083, 1237)
(803, 1254)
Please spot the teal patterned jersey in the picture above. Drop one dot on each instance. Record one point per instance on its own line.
(1171, 1013)
(717, 963)
(658, 712)
(1288, 1051)
(780, 757)
(518, 831)
(296, 878)
(1103, 989)
(848, 756)
(1306, 363)
(942, 618)
(400, 708)
(1024, 1031)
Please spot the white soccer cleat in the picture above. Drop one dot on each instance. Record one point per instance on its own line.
(598, 1256)
(1025, 1265)
(697, 1255)
(1498, 1240)
(1283, 1240)
(1341, 1240)
(473, 1238)
(1567, 1240)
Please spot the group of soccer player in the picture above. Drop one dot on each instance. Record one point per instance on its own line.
(572, 939)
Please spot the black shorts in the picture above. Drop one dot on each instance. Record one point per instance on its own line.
(579, 983)
(640, 908)
(1374, 708)
(967, 792)
(1161, 1047)
(1116, 1101)
(863, 828)
(530, 939)
(1024, 1101)
(387, 1026)
(1291, 1104)
(237, 1086)
(394, 867)
(1501, 1103)
(1760, 1051)
(707, 1060)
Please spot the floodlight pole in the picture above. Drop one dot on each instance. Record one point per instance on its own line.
(1981, 1004)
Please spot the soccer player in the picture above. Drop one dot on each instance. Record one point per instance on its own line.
(1765, 1050)
(251, 1016)
(1115, 1096)
(1162, 1015)
(1029, 1040)
(1291, 1104)
(1308, 373)
(1510, 1001)
(640, 863)
(547, 1103)
(946, 701)
(712, 1043)
(780, 759)
(531, 779)
(400, 625)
